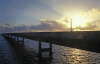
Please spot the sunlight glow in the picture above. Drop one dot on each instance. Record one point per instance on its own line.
(78, 20)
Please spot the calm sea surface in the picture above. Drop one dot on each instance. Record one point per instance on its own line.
(7, 54)
(61, 54)
(67, 55)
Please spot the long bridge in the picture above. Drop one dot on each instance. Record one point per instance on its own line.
(86, 40)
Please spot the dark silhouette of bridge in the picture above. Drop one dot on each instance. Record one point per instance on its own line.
(86, 40)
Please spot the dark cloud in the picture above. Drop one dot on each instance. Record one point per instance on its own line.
(50, 25)
(47, 25)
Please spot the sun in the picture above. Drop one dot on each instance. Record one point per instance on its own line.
(78, 20)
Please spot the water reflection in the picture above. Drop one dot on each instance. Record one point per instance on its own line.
(7, 54)
(61, 54)
(65, 55)
(77, 56)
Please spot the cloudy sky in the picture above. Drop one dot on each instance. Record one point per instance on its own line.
(49, 15)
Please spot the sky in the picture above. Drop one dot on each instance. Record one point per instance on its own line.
(52, 15)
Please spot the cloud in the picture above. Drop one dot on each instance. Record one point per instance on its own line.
(62, 24)
(93, 22)
(50, 25)
(5, 28)
(94, 25)
(45, 25)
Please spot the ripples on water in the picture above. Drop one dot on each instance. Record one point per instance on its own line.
(7, 55)
(61, 54)
(67, 55)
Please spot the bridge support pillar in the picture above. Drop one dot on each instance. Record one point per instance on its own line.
(20, 40)
(50, 47)
(41, 50)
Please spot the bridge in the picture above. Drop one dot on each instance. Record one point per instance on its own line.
(86, 40)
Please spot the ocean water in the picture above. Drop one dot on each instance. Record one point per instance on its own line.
(7, 54)
(66, 55)
(61, 54)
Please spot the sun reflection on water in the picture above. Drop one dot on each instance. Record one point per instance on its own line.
(77, 57)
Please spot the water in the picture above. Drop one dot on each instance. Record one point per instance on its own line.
(7, 55)
(67, 55)
(61, 54)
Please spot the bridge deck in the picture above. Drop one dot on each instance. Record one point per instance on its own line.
(86, 40)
